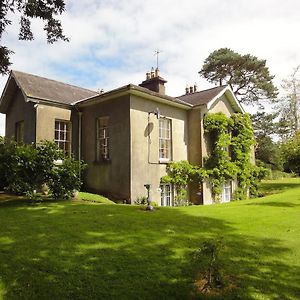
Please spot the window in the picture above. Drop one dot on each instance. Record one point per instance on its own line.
(62, 135)
(166, 196)
(226, 191)
(165, 145)
(102, 139)
(19, 134)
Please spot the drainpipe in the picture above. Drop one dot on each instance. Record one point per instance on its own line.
(79, 134)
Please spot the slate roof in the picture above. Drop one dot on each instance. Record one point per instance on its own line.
(50, 90)
(202, 97)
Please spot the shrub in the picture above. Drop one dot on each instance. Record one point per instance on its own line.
(24, 168)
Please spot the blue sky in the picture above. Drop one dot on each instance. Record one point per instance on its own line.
(112, 42)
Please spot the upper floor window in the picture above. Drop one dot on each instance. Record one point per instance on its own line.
(62, 135)
(102, 139)
(165, 139)
(19, 134)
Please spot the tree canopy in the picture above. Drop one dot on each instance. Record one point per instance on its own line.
(288, 105)
(248, 76)
(45, 10)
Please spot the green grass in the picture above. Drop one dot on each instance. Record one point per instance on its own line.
(94, 198)
(75, 250)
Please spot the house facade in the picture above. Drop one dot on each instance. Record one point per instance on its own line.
(127, 136)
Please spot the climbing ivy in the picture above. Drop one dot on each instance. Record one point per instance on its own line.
(230, 141)
(180, 174)
(218, 164)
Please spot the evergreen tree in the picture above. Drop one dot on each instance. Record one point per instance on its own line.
(248, 76)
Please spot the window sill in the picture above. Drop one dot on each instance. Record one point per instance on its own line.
(164, 161)
(102, 162)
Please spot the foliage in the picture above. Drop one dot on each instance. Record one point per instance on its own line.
(141, 200)
(289, 105)
(231, 141)
(218, 164)
(248, 76)
(266, 150)
(291, 154)
(207, 258)
(64, 179)
(180, 174)
(46, 10)
(25, 168)
(264, 124)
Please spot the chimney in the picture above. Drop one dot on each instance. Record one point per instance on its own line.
(195, 87)
(187, 89)
(154, 82)
(191, 89)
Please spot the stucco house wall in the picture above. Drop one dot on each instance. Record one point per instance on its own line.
(19, 110)
(110, 177)
(220, 105)
(144, 136)
(45, 120)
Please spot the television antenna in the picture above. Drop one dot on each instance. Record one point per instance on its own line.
(157, 52)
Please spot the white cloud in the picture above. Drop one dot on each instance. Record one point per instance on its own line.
(112, 42)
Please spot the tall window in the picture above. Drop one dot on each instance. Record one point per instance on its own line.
(19, 134)
(165, 144)
(226, 191)
(62, 135)
(102, 138)
(166, 196)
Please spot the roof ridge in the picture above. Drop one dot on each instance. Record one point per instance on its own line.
(212, 88)
(53, 80)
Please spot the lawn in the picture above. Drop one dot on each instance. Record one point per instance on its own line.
(82, 250)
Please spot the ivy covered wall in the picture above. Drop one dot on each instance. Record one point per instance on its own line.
(231, 143)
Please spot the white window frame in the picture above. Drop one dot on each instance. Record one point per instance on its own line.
(19, 132)
(102, 139)
(165, 139)
(166, 195)
(226, 191)
(63, 135)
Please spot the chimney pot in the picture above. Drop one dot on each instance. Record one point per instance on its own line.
(195, 87)
(156, 72)
(186, 89)
(152, 73)
(191, 89)
(148, 75)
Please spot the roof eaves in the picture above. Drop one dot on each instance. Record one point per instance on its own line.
(48, 102)
(19, 85)
(135, 90)
(232, 99)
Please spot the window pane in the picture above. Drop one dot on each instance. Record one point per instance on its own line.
(164, 138)
(62, 135)
(102, 138)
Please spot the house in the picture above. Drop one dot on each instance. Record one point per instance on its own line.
(126, 135)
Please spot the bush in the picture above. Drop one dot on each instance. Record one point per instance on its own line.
(24, 168)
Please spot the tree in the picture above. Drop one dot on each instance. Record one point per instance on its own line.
(248, 76)
(45, 10)
(289, 105)
(265, 126)
(291, 154)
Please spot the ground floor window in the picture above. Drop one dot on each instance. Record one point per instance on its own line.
(226, 191)
(166, 196)
(62, 135)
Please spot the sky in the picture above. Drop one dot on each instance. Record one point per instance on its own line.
(112, 42)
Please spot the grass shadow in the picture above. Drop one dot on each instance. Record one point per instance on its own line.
(122, 252)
